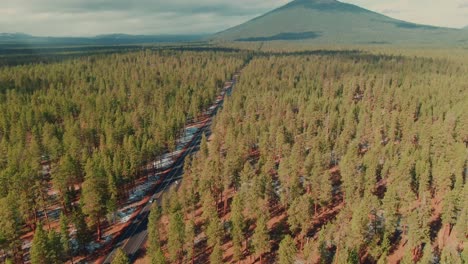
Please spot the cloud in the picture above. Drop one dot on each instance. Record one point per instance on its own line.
(93, 17)
(447, 13)
(390, 11)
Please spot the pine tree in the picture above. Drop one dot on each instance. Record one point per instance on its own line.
(204, 146)
(212, 223)
(300, 215)
(261, 238)
(154, 243)
(94, 194)
(55, 248)
(65, 236)
(9, 223)
(158, 257)
(40, 247)
(216, 256)
(82, 231)
(428, 255)
(287, 251)
(190, 240)
(120, 257)
(214, 231)
(176, 235)
(238, 226)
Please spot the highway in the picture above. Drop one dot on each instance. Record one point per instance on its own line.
(132, 240)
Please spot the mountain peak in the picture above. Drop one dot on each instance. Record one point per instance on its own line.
(323, 5)
(315, 1)
(332, 21)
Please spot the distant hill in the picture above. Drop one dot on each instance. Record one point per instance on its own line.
(330, 21)
(111, 39)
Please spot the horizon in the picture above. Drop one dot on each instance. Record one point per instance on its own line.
(145, 17)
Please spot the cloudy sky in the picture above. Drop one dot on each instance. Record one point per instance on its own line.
(92, 17)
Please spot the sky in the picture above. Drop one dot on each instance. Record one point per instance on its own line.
(94, 17)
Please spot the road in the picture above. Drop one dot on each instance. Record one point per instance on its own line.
(134, 237)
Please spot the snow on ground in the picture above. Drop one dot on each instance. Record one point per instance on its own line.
(26, 244)
(124, 214)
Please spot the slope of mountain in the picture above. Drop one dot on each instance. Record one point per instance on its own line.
(330, 21)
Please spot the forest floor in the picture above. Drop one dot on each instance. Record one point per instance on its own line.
(277, 226)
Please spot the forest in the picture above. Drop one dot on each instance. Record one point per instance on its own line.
(316, 157)
(338, 158)
(75, 135)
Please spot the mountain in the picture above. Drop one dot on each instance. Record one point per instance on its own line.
(110, 39)
(330, 21)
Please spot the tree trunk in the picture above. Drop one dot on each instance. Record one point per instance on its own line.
(336, 254)
(225, 205)
(98, 230)
(193, 255)
(47, 217)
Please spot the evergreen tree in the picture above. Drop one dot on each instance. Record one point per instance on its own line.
(216, 256)
(120, 257)
(176, 235)
(65, 236)
(94, 194)
(157, 257)
(299, 215)
(40, 247)
(190, 240)
(238, 226)
(154, 244)
(82, 232)
(287, 251)
(55, 248)
(261, 238)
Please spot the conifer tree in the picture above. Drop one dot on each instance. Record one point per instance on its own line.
(40, 247)
(176, 235)
(216, 256)
(261, 238)
(190, 240)
(154, 244)
(238, 226)
(287, 251)
(65, 236)
(120, 257)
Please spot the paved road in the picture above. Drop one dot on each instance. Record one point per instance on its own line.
(135, 235)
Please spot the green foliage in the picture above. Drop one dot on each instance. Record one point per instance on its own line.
(95, 121)
(120, 257)
(158, 257)
(261, 237)
(176, 235)
(238, 226)
(299, 215)
(65, 236)
(287, 251)
(353, 257)
(216, 256)
(40, 247)
(154, 243)
(360, 146)
(83, 236)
